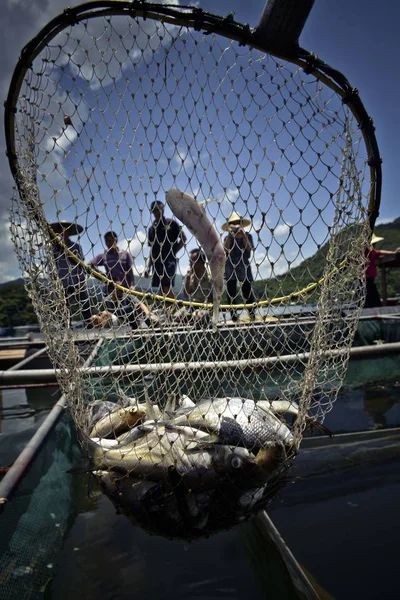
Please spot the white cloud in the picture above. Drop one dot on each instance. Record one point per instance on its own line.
(232, 195)
(23, 19)
(135, 245)
(282, 229)
(383, 221)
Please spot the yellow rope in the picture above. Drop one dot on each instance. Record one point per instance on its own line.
(268, 302)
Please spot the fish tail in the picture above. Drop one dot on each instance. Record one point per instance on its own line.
(215, 316)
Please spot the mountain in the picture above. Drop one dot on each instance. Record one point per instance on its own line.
(311, 269)
(15, 305)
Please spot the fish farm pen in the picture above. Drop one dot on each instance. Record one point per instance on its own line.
(193, 438)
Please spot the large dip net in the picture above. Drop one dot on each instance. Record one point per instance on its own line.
(191, 216)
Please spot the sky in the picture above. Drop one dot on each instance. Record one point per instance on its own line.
(350, 36)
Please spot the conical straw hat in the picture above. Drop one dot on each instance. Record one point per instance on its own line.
(71, 228)
(375, 239)
(235, 218)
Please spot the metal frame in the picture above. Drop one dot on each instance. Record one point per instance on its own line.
(17, 470)
(46, 375)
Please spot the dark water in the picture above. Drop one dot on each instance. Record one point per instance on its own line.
(344, 530)
(94, 553)
(21, 412)
(376, 406)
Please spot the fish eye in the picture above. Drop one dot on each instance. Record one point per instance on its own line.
(236, 462)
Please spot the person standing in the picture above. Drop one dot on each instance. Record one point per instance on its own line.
(166, 239)
(72, 275)
(197, 286)
(238, 246)
(372, 298)
(117, 263)
(119, 268)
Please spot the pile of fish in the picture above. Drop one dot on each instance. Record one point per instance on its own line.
(191, 471)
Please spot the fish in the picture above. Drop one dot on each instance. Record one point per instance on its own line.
(193, 215)
(163, 449)
(236, 421)
(105, 442)
(292, 408)
(97, 410)
(116, 422)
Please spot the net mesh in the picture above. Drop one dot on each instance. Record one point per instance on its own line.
(144, 147)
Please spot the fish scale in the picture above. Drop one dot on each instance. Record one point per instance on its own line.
(236, 421)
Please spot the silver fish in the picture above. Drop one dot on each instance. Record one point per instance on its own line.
(193, 215)
(236, 421)
(97, 410)
(291, 408)
(163, 449)
(117, 422)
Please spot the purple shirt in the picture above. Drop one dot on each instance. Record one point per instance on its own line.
(117, 264)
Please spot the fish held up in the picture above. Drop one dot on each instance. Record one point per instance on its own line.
(193, 215)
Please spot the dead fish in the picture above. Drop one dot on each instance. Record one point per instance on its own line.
(292, 408)
(117, 422)
(163, 449)
(137, 434)
(105, 442)
(193, 215)
(236, 421)
(97, 410)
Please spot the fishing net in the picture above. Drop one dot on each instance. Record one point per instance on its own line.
(114, 110)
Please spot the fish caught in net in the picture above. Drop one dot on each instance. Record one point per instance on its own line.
(191, 215)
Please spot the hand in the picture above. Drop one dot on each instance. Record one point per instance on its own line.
(239, 233)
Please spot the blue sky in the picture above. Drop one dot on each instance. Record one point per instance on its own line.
(360, 43)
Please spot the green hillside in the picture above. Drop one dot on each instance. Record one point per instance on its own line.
(15, 305)
(312, 268)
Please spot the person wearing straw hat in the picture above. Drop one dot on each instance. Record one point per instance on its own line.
(238, 246)
(72, 275)
(373, 298)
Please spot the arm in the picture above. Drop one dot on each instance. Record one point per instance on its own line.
(129, 274)
(188, 287)
(389, 252)
(97, 261)
(130, 278)
(149, 267)
(182, 241)
(227, 243)
(150, 242)
(77, 250)
(249, 242)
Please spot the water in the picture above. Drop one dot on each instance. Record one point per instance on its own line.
(21, 413)
(340, 529)
(376, 406)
